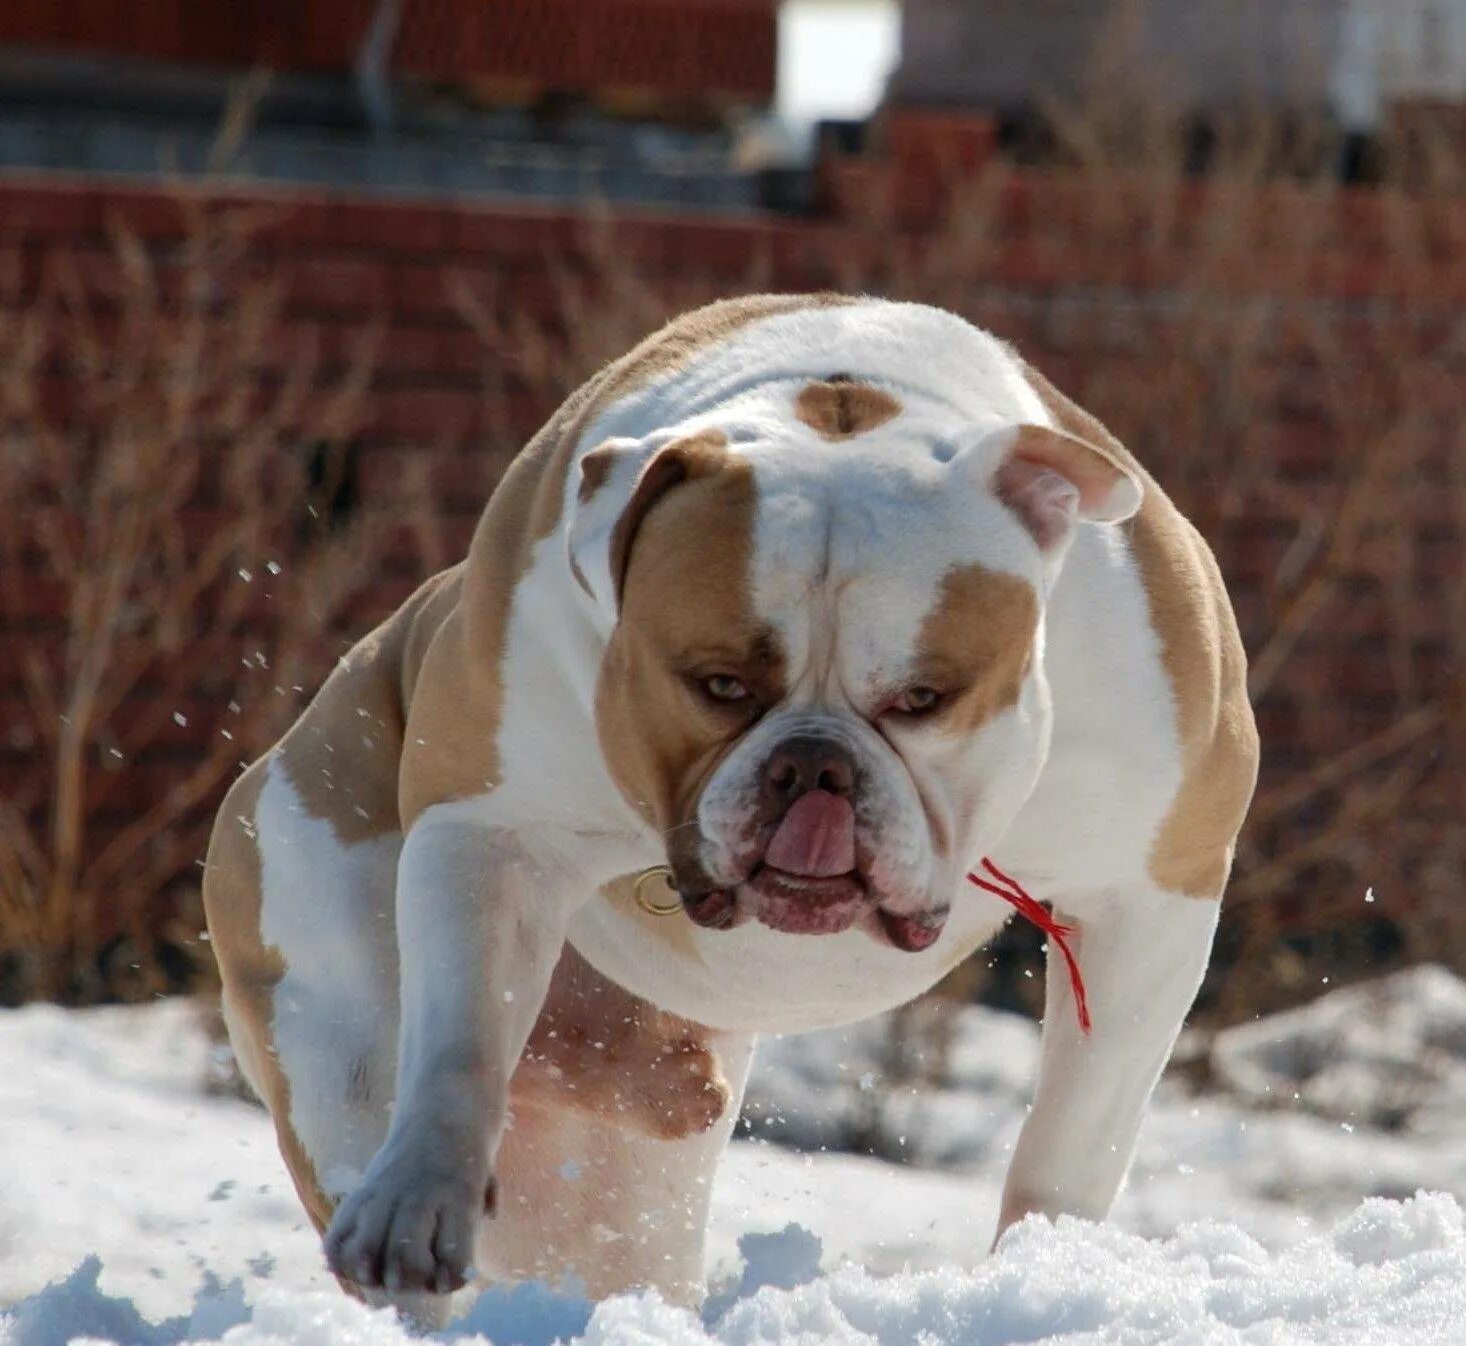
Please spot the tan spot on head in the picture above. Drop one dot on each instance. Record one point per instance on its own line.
(595, 469)
(975, 645)
(342, 756)
(840, 408)
(686, 614)
(1205, 664)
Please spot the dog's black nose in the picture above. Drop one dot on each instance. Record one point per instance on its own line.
(808, 762)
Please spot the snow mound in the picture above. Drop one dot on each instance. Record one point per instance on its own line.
(871, 1087)
(1389, 1053)
(1392, 1272)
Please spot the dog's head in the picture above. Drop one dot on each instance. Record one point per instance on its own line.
(824, 684)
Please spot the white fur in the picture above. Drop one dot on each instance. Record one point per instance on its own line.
(336, 1007)
(1143, 954)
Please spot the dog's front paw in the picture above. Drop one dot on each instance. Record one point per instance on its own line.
(409, 1226)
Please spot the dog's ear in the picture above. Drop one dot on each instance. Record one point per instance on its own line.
(1050, 478)
(620, 481)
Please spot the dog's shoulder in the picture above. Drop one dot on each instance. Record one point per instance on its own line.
(341, 757)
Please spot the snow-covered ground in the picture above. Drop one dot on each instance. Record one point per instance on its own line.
(137, 1207)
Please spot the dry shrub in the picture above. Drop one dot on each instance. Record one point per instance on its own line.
(602, 307)
(172, 572)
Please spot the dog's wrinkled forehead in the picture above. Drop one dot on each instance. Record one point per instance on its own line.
(872, 552)
(857, 558)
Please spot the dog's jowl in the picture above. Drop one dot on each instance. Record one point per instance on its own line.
(798, 611)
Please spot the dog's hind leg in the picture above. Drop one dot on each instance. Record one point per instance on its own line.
(584, 1198)
(596, 1048)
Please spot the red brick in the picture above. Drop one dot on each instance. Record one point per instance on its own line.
(961, 140)
(461, 478)
(527, 235)
(151, 215)
(295, 220)
(51, 207)
(528, 291)
(1440, 556)
(39, 594)
(341, 285)
(414, 351)
(393, 226)
(461, 351)
(420, 290)
(424, 415)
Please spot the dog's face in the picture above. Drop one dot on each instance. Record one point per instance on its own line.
(825, 682)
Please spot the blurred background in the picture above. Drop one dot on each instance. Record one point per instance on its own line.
(284, 286)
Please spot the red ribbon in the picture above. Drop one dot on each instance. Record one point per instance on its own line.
(1013, 893)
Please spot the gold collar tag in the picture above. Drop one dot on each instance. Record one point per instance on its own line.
(646, 894)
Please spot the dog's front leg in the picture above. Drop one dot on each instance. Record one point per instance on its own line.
(1142, 954)
(481, 920)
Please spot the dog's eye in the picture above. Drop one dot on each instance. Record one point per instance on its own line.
(917, 701)
(725, 687)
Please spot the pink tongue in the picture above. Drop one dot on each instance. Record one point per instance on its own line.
(816, 839)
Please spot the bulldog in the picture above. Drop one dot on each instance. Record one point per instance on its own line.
(780, 624)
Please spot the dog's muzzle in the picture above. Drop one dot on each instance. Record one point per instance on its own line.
(809, 876)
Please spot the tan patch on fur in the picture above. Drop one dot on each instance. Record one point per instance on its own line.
(975, 643)
(342, 755)
(687, 609)
(687, 613)
(250, 971)
(462, 680)
(1202, 654)
(597, 1048)
(696, 455)
(840, 408)
(595, 470)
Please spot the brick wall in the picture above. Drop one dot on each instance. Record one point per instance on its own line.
(440, 395)
(668, 50)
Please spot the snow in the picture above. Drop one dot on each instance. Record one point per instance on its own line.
(1394, 1272)
(140, 1204)
(1387, 1053)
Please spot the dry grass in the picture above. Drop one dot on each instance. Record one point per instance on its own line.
(170, 583)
